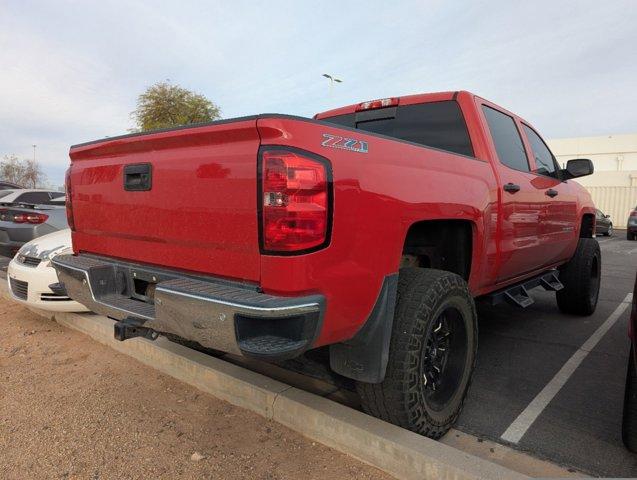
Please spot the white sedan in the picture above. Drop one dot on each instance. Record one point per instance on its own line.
(30, 273)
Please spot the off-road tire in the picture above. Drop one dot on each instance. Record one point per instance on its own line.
(423, 294)
(581, 279)
(629, 421)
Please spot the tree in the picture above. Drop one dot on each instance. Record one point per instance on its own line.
(12, 169)
(23, 172)
(165, 105)
(33, 174)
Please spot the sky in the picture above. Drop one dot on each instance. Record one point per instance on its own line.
(71, 71)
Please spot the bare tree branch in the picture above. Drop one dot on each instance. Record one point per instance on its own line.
(27, 173)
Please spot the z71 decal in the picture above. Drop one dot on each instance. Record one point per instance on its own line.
(335, 141)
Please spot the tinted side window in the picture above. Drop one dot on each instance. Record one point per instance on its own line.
(544, 161)
(435, 124)
(506, 137)
(33, 197)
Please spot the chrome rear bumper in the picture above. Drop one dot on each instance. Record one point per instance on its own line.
(215, 313)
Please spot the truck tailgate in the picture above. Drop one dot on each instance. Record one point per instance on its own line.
(199, 211)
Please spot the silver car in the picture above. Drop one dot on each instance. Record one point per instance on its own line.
(22, 222)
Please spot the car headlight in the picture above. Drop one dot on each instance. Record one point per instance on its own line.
(21, 253)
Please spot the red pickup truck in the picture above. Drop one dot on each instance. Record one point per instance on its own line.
(368, 230)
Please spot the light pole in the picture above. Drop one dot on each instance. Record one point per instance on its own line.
(332, 80)
(34, 152)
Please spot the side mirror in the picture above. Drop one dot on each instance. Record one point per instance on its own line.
(578, 167)
(606, 216)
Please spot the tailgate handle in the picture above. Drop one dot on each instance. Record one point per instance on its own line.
(137, 177)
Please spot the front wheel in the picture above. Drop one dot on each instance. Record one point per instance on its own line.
(581, 277)
(431, 357)
(609, 233)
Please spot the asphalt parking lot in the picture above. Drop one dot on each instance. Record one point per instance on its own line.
(521, 351)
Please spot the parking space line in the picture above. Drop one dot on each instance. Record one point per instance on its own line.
(523, 422)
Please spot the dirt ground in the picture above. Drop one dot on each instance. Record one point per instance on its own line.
(72, 408)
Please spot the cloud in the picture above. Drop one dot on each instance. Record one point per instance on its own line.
(72, 70)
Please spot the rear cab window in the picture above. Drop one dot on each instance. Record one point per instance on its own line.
(439, 125)
(34, 198)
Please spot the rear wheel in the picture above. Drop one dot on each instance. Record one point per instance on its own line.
(629, 422)
(581, 278)
(432, 354)
(630, 236)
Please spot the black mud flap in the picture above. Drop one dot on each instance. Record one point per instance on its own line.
(364, 357)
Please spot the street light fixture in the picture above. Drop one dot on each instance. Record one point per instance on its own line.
(332, 80)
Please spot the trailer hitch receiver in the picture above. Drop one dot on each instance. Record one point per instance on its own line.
(132, 327)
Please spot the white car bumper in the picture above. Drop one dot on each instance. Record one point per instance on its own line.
(30, 285)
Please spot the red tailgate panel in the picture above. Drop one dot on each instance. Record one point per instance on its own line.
(200, 214)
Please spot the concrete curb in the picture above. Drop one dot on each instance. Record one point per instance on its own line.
(398, 452)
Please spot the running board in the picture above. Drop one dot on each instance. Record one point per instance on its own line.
(518, 294)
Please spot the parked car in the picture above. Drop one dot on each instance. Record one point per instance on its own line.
(629, 423)
(30, 274)
(29, 196)
(603, 224)
(369, 229)
(631, 228)
(21, 223)
(4, 185)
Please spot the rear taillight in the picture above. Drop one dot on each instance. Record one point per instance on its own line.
(69, 202)
(35, 218)
(381, 103)
(22, 217)
(295, 201)
(633, 213)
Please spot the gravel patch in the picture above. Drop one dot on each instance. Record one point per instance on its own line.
(71, 408)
